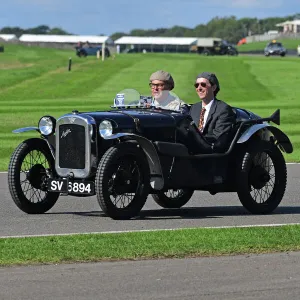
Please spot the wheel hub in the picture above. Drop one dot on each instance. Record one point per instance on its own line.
(259, 177)
(36, 176)
(122, 182)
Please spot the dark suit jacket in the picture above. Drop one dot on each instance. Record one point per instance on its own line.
(217, 133)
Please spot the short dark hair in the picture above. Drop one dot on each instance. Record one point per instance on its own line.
(212, 78)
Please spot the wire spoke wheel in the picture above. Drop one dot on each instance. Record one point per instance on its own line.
(173, 198)
(33, 174)
(122, 181)
(30, 166)
(261, 178)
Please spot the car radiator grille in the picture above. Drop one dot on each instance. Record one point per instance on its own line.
(72, 146)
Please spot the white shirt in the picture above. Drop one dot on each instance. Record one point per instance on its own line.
(171, 103)
(207, 109)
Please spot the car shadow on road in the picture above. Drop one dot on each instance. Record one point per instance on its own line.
(210, 212)
(191, 212)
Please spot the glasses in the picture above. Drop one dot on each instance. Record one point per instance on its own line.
(158, 85)
(203, 84)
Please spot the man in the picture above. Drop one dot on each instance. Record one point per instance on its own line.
(213, 118)
(161, 83)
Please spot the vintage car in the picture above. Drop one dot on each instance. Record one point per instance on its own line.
(275, 48)
(92, 50)
(133, 150)
(214, 46)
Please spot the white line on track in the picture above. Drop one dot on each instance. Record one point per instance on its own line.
(147, 230)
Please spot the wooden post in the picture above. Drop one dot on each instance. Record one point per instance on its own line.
(103, 51)
(70, 64)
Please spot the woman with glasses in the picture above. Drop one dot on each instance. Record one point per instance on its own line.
(161, 83)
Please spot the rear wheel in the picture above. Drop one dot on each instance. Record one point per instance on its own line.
(30, 166)
(122, 181)
(173, 198)
(206, 52)
(261, 178)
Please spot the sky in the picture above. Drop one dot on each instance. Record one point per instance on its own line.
(95, 17)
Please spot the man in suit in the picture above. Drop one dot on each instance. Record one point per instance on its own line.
(214, 118)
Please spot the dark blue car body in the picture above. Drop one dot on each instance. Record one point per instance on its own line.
(85, 51)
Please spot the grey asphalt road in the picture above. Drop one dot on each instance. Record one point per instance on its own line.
(77, 215)
(268, 277)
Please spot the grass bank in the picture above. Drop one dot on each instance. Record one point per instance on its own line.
(36, 81)
(148, 245)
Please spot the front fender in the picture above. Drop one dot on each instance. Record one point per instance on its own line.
(25, 129)
(282, 139)
(50, 140)
(156, 174)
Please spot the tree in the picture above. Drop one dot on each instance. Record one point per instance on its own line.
(117, 35)
(58, 31)
(42, 29)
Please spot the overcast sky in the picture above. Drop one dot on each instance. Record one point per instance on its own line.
(93, 17)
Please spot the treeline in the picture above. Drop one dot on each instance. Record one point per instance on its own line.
(42, 29)
(228, 28)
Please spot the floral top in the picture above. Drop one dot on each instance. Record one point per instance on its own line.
(171, 103)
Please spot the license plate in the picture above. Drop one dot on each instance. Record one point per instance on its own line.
(63, 185)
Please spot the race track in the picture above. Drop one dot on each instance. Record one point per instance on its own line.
(81, 215)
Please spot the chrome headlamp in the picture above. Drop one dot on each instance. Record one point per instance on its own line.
(105, 128)
(47, 125)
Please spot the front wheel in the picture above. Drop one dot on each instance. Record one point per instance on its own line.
(29, 167)
(261, 178)
(122, 181)
(173, 198)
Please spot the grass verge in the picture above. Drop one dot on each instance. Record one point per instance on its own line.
(148, 245)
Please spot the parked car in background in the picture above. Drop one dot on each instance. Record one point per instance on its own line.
(215, 46)
(275, 48)
(84, 51)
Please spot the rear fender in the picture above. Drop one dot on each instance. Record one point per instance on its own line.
(156, 174)
(265, 129)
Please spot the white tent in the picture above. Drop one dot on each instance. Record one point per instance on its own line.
(136, 40)
(7, 37)
(155, 44)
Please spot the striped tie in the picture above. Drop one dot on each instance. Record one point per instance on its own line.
(201, 121)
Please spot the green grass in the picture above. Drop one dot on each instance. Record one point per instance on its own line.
(148, 245)
(287, 43)
(36, 81)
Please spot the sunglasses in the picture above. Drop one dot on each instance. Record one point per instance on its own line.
(203, 84)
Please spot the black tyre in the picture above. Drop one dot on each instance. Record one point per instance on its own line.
(173, 198)
(261, 178)
(82, 53)
(232, 52)
(122, 181)
(206, 52)
(29, 167)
